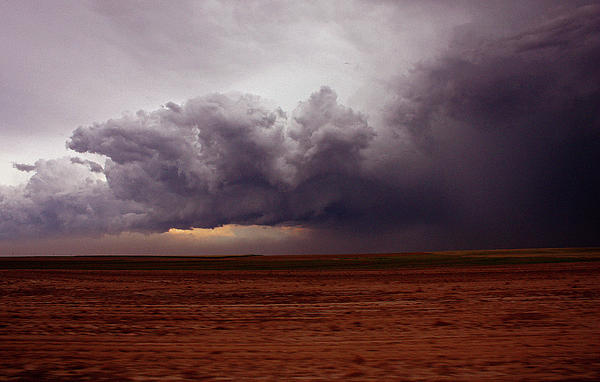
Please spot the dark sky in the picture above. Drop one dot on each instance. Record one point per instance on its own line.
(290, 127)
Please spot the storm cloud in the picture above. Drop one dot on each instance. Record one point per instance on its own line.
(512, 127)
(494, 142)
(221, 159)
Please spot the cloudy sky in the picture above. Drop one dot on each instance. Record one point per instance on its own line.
(213, 127)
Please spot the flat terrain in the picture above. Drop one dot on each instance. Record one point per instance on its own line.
(505, 315)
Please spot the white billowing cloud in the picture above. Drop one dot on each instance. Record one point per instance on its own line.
(63, 198)
(227, 159)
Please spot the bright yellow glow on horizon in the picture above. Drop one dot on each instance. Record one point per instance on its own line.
(203, 232)
(238, 231)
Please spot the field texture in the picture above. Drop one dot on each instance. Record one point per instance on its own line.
(519, 315)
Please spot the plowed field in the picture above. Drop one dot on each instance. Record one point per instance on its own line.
(532, 321)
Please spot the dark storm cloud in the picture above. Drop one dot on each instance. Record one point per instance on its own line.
(222, 159)
(512, 127)
(493, 143)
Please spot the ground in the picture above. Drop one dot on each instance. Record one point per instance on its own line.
(311, 320)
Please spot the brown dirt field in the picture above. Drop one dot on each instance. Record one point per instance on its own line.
(505, 322)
